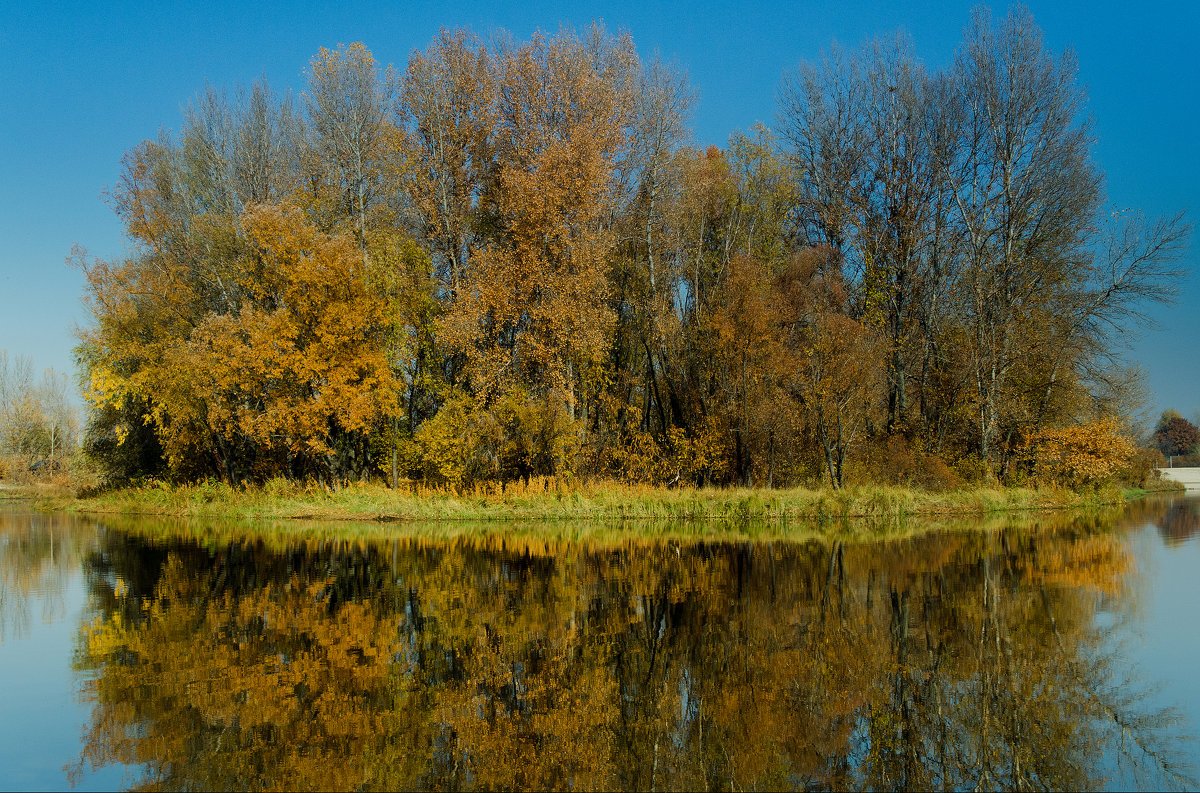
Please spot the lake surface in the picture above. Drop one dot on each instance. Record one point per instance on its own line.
(1059, 652)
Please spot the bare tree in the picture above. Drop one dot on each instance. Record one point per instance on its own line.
(447, 106)
(664, 104)
(1026, 190)
(349, 101)
(16, 402)
(821, 115)
(1133, 269)
(873, 132)
(35, 418)
(650, 174)
(60, 424)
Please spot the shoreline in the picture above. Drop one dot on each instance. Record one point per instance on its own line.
(281, 514)
(546, 500)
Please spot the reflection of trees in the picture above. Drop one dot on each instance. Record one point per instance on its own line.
(1180, 521)
(38, 553)
(958, 660)
(1176, 518)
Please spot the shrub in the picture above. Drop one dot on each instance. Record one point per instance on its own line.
(518, 437)
(900, 462)
(1083, 454)
(1142, 468)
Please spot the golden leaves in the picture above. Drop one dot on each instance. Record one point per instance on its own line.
(304, 353)
(424, 665)
(533, 308)
(1083, 454)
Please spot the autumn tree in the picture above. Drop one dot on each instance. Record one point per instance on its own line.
(505, 260)
(837, 359)
(448, 109)
(646, 271)
(349, 105)
(180, 201)
(966, 205)
(533, 310)
(1027, 191)
(301, 370)
(1175, 435)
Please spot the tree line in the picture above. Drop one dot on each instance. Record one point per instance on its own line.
(507, 259)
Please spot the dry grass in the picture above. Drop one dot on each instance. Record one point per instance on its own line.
(549, 537)
(547, 499)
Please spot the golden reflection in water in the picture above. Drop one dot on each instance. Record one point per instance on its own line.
(958, 660)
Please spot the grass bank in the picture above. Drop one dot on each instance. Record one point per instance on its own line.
(543, 500)
(50, 492)
(1159, 486)
(540, 538)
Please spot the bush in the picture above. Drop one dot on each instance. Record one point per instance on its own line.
(1080, 455)
(1142, 468)
(518, 437)
(900, 462)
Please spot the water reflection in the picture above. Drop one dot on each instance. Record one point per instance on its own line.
(1180, 521)
(38, 555)
(961, 660)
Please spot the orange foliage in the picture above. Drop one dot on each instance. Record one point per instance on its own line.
(505, 262)
(643, 665)
(304, 359)
(1082, 454)
(534, 310)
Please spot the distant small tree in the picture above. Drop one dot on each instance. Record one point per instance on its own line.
(36, 418)
(1175, 434)
(60, 423)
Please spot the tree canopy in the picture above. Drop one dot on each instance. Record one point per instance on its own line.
(506, 259)
(1176, 435)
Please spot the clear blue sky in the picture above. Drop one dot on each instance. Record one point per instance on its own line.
(81, 83)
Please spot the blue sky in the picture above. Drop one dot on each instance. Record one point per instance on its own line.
(81, 83)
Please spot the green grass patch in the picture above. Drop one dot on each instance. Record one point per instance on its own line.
(545, 500)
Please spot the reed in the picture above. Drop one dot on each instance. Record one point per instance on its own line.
(550, 499)
(550, 537)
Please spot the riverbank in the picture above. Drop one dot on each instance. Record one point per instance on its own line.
(548, 500)
(35, 492)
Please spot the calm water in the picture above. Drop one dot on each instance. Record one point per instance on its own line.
(1061, 653)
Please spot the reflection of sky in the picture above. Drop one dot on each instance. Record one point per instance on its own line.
(41, 717)
(1164, 640)
(1153, 629)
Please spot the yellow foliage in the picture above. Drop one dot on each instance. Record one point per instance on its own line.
(566, 665)
(441, 442)
(304, 356)
(535, 311)
(1082, 454)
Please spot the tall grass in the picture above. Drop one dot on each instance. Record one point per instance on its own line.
(548, 537)
(551, 499)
